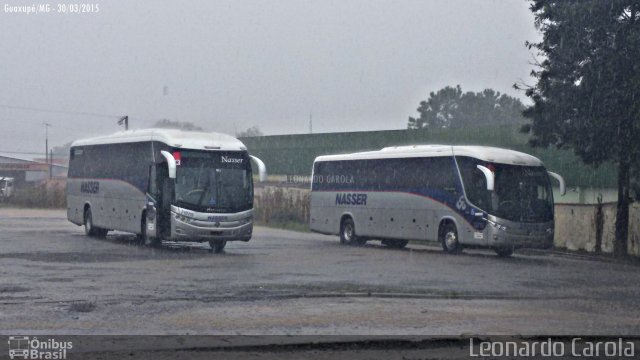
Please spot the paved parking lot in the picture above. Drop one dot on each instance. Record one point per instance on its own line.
(54, 279)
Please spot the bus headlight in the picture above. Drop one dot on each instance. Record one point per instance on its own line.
(496, 225)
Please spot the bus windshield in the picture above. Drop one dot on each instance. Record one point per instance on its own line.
(522, 193)
(214, 181)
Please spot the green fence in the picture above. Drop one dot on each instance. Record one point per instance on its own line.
(294, 154)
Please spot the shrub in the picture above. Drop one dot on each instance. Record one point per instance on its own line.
(279, 205)
(45, 195)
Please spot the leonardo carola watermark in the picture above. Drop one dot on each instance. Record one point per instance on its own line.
(575, 347)
(32, 348)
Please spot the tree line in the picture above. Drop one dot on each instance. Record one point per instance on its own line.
(450, 107)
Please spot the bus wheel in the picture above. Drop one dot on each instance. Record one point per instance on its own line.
(144, 238)
(217, 245)
(504, 251)
(348, 233)
(395, 243)
(449, 239)
(89, 228)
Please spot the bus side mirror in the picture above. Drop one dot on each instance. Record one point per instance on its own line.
(171, 163)
(488, 174)
(563, 189)
(262, 169)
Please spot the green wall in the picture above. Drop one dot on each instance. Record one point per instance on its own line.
(294, 154)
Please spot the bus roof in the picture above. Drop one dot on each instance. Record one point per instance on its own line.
(197, 140)
(486, 153)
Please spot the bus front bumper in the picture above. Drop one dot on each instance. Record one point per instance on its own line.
(499, 238)
(182, 231)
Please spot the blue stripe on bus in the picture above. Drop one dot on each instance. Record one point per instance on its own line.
(439, 198)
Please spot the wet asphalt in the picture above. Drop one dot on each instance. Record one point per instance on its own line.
(54, 279)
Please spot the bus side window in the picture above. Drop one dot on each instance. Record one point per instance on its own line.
(389, 166)
(439, 174)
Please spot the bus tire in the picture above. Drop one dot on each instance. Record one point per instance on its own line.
(449, 239)
(89, 228)
(217, 245)
(348, 233)
(503, 251)
(395, 243)
(144, 238)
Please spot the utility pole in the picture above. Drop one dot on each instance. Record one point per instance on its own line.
(310, 123)
(46, 142)
(124, 120)
(50, 164)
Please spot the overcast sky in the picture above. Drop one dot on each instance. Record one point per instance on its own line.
(229, 65)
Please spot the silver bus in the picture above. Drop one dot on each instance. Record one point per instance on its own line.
(163, 184)
(460, 196)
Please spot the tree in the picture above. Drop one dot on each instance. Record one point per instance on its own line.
(182, 125)
(250, 132)
(449, 107)
(439, 110)
(587, 95)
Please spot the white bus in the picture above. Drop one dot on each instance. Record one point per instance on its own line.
(163, 184)
(461, 196)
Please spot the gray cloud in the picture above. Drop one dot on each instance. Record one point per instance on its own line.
(226, 65)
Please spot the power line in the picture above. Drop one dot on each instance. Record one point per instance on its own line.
(36, 123)
(27, 153)
(27, 108)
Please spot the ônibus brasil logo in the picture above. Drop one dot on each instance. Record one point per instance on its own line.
(25, 347)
